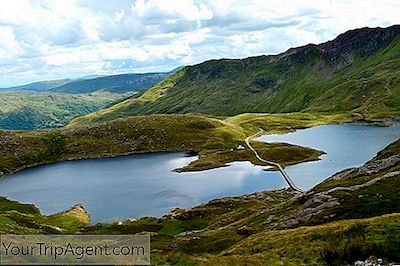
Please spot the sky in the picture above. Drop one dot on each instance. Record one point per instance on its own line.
(53, 39)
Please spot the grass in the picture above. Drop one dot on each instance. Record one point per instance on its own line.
(32, 110)
(214, 140)
(18, 218)
(305, 79)
(338, 243)
(254, 229)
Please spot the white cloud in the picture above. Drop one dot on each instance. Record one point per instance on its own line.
(9, 46)
(42, 39)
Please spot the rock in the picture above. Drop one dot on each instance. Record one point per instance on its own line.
(342, 174)
(244, 230)
(185, 214)
(305, 214)
(53, 228)
(79, 212)
(270, 219)
(371, 261)
(372, 167)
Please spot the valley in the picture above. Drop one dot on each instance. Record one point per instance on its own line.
(199, 148)
(25, 110)
(53, 103)
(211, 138)
(333, 223)
(152, 179)
(356, 72)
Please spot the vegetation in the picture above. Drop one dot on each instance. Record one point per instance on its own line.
(116, 83)
(17, 218)
(350, 216)
(357, 72)
(264, 228)
(29, 110)
(214, 140)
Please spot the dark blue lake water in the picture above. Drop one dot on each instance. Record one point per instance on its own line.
(145, 185)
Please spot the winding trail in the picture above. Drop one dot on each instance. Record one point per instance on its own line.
(281, 169)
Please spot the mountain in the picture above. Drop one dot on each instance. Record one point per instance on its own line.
(91, 83)
(116, 83)
(358, 72)
(38, 86)
(24, 110)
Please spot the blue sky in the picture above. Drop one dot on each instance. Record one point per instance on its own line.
(53, 39)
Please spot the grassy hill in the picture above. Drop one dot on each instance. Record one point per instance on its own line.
(357, 72)
(25, 110)
(214, 140)
(116, 83)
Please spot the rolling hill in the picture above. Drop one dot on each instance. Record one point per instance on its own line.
(38, 86)
(50, 104)
(358, 72)
(116, 83)
(24, 110)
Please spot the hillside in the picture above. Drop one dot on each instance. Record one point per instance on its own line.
(116, 83)
(351, 216)
(25, 110)
(214, 140)
(113, 83)
(38, 86)
(357, 72)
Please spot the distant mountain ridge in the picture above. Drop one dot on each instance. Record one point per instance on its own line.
(26, 110)
(359, 71)
(38, 86)
(116, 83)
(120, 83)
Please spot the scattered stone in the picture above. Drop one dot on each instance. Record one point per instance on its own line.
(378, 165)
(270, 219)
(240, 147)
(342, 174)
(245, 230)
(371, 261)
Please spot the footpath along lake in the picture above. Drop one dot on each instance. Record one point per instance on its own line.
(145, 185)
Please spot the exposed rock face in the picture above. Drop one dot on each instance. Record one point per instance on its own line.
(185, 214)
(364, 41)
(79, 212)
(379, 165)
(324, 205)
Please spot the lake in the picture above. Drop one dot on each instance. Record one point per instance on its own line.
(348, 145)
(132, 186)
(145, 185)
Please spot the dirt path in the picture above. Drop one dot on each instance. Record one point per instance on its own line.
(281, 169)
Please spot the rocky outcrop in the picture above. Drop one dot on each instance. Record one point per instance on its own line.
(376, 166)
(79, 212)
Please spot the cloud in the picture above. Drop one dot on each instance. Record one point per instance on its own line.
(45, 39)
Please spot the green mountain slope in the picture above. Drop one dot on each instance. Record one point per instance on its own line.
(116, 83)
(359, 71)
(31, 110)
